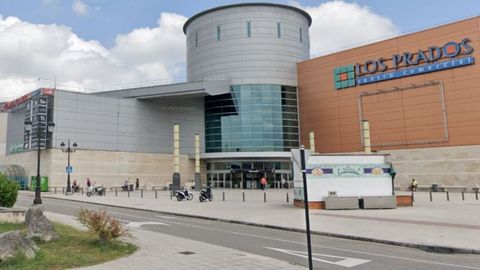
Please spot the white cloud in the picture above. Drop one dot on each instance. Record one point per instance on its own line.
(80, 8)
(157, 54)
(338, 25)
(29, 51)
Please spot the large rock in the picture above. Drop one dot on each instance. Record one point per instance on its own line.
(13, 242)
(38, 225)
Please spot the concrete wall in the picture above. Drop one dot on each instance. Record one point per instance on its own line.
(109, 168)
(3, 132)
(126, 125)
(262, 58)
(442, 165)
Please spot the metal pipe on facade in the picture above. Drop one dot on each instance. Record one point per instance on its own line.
(312, 141)
(197, 163)
(176, 158)
(366, 137)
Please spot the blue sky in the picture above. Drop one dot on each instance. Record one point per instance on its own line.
(107, 18)
(95, 45)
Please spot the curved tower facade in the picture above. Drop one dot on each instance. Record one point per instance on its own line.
(255, 47)
(251, 43)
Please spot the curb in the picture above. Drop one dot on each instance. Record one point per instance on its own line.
(428, 248)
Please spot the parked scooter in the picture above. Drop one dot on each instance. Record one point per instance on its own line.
(206, 194)
(181, 195)
(95, 190)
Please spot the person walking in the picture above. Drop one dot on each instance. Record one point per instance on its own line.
(263, 182)
(88, 182)
(137, 184)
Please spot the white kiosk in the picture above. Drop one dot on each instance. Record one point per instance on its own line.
(340, 181)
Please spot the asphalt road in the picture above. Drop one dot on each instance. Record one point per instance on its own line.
(328, 252)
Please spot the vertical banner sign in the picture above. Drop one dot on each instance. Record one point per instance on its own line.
(36, 110)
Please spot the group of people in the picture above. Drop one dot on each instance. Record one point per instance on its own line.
(76, 185)
(263, 183)
(125, 185)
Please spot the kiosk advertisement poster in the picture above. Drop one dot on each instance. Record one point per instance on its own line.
(344, 175)
(43, 183)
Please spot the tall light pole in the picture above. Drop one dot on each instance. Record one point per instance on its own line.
(69, 149)
(38, 131)
(54, 80)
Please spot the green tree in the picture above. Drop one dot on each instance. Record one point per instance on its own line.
(8, 191)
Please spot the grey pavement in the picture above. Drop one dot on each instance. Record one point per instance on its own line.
(452, 224)
(163, 251)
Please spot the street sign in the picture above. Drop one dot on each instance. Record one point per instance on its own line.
(69, 169)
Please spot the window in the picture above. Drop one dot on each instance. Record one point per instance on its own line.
(279, 30)
(301, 40)
(249, 29)
(218, 33)
(196, 40)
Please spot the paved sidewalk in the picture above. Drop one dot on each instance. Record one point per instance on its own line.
(451, 224)
(162, 251)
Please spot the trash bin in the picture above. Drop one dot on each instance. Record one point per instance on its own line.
(130, 187)
(435, 187)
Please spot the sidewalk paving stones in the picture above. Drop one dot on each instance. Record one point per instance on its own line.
(453, 224)
(162, 251)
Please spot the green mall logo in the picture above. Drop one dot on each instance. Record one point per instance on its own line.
(344, 77)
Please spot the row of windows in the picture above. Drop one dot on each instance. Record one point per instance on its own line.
(248, 32)
(248, 165)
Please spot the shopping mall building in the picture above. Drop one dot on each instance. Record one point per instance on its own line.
(252, 95)
(240, 97)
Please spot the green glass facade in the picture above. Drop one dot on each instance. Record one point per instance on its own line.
(252, 118)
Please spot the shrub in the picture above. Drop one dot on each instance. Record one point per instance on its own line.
(100, 223)
(8, 191)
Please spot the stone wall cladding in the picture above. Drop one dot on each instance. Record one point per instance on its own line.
(451, 166)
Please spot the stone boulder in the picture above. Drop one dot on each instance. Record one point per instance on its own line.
(38, 225)
(13, 242)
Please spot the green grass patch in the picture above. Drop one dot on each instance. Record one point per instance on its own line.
(74, 249)
(5, 227)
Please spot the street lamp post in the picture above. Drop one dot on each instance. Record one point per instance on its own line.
(38, 131)
(69, 149)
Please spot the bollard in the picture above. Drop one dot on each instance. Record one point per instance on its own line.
(63, 190)
(141, 193)
(116, 194)
(104, 192)
(171, 194)
(463, 196)
(431, 196)
(413, 197)
(476, 195)
(264, 197)
(448, 196)
(82, 191)
(128, 190)
(55, 190)
(287, 198)
(243, 194)
(156, 196)
(223, 196)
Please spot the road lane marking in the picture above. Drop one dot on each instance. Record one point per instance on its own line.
(186, 219)
(345, 261)
(140, 224)
(303, 244)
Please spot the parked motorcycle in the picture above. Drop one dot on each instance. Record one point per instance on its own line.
(185, 194)
(95, 190)
(206, 194)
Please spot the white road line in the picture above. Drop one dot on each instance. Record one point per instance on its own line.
(345, 261)
(140, 224)
(303, 244)
(186, 219)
